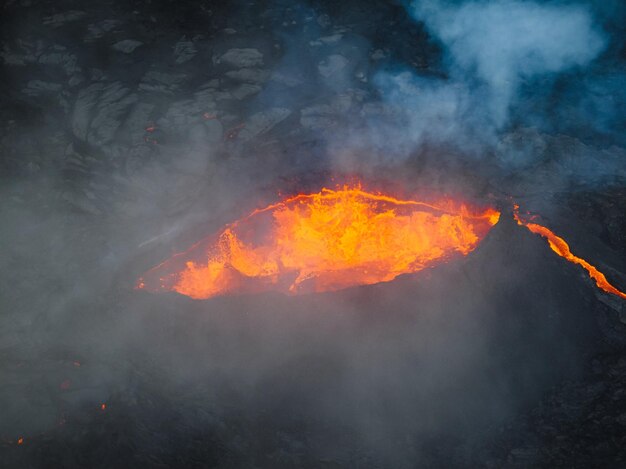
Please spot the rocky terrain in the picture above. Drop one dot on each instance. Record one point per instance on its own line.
(128, 130)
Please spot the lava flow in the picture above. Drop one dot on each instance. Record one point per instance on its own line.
(560, 246)
(325, 241)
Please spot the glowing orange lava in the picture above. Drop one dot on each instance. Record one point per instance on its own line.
(325, 241)
(558, 245)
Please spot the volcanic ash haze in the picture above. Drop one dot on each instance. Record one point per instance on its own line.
(130, 130)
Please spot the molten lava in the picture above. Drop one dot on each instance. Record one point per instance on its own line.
(560, 246)
(325, 241)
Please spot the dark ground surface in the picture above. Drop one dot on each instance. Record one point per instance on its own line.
(130, 129)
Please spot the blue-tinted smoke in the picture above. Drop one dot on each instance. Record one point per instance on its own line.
(509, 64)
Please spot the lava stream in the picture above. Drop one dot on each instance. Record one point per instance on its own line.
(560, 246)
(324, 241)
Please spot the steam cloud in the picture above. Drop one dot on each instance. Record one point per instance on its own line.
(501, 60)
(503, 43)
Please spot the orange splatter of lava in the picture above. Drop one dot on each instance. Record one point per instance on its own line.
(20, 441)
(103, 406)
(560, 246)
(325, 241)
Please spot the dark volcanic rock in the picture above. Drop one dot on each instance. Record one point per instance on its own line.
(129, 130)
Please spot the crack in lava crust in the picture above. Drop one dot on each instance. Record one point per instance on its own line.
(560, 246)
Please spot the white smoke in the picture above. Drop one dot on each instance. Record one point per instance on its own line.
(505, 42)
(498, 56)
